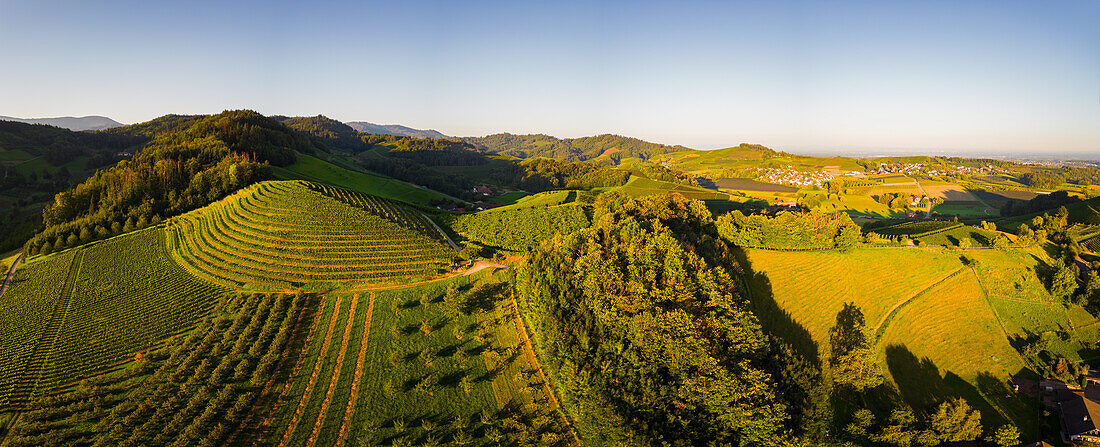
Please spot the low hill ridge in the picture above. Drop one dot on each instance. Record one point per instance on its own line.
(81, 123)
(395, 129)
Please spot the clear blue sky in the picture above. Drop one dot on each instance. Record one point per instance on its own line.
(955, 75)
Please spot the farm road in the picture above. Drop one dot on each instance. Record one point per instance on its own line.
(11, 272)
(440, 230)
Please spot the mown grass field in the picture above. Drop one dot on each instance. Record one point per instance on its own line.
(942, 327)
(302, 236)
(813, 286)
(314, 169)
(747, 184)
(443, 363)
(1024, 306)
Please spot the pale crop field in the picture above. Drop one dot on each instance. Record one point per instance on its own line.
(813, 286)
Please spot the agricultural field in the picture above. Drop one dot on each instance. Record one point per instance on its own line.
(94, 308)
(297, 235)
(507, 198)
(638, 186)
(746, 184)
(942, 327)
(917, 228)
(947, 342)
(965, 209)
(317, 170)
(812, 286)
(441, 364)
(949, 192)
(549, 198)
(191, 390)
(1021, 301)
(953, 237)
(14, 155)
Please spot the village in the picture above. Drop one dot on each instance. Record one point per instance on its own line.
(791, 176)
(920, 168)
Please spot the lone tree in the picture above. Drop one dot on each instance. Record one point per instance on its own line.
(1063, 282)
(851, 359)
(1005, 436)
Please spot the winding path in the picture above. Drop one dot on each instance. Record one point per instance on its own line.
(441, 232)
(884, 323)
(11, 273)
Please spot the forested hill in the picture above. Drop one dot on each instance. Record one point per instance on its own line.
(70, 122)
(191, 162)
(395, 129)
(574, 149)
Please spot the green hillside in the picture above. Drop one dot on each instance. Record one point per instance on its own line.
(941, 327)
(317, 170)
(80, 311)
(296, 235)
(574, 149)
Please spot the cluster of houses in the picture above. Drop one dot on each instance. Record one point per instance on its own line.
(1078, 408)
(791, 176)
(906, 168)
(919, 168)
(915, 200)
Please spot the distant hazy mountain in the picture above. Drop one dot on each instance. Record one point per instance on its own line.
(394, 129)
(70, 122)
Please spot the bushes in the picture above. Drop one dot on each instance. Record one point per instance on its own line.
(520, 229)
(804, 231)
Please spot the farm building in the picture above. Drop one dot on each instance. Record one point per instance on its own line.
(1078, 412)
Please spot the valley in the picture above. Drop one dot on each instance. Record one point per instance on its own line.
(251, 280)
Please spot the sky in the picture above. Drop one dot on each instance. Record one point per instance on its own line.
(952, 76)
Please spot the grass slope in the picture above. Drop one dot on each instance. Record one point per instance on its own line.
(317, 170)
(942, 328)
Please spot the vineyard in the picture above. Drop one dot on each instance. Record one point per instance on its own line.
(193, 390)
(917, 228)
(95, 306)
(296, 235)
(25, 311)
(427, 365)
(519, 229)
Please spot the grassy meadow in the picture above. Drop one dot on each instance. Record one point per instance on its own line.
(314, 169)
(942, 328)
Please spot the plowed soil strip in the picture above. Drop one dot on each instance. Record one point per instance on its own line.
(350, 410)
(312, 377)
(335, 374)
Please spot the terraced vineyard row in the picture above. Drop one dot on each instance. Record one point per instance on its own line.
(192, 391)
(298, 235)
(118, 297)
